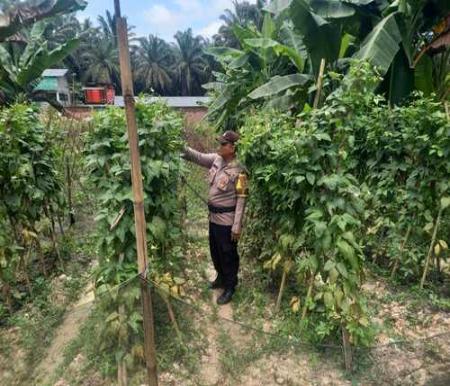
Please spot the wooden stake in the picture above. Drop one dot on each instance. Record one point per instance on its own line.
(400, 253)
(347, 349)
(308, 295)
(280, 293)
(172, 318)
(430, 250)
(319, 84)
(138, 193)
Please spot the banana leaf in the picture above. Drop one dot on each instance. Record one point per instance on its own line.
(332, 9)
(382, 44)
(27, 13)
(423, 75)
(278, 84)
(43, 60)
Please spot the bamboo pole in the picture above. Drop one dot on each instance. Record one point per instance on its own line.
(138, 194)
(308, 295)
(430, 249)
(280, 293)
(319, 84)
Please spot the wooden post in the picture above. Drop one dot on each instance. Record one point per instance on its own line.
(138, 193)
(280, 293)
(430, 249)
(319, 84)
(347, 349)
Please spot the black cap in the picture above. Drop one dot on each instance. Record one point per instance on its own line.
(228, 137)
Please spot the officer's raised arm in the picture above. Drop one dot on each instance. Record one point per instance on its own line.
(203, 159)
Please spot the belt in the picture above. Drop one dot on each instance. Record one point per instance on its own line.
(221, 209)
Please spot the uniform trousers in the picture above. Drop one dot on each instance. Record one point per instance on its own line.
(224, 254)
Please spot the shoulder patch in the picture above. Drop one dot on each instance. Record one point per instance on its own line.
(242, 185)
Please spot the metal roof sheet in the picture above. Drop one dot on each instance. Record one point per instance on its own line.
(179, 102)
(55, 72)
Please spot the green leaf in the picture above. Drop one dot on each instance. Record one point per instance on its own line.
(321, 38)
(445, 202)
(382, 44)
(263, 43)
(315, 214)
(268, 28)
(423, 75)
(346, 41)
(348, 252)
(401, 79)
(278, 84)
(329, 265)
(334, 274)
(342, 270)
(277, 6)
(332, 9)
(26, 13)
(311, 178)
(224, 53)
(35, 40)
(44, 60)
(239, 62)
(328, 299)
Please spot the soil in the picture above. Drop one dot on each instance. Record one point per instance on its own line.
(422, 359)
(65, 333)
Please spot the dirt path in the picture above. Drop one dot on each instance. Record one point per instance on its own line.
(210, 373)
(65, 333)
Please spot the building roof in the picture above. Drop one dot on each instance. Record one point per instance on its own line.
(55, 72)
(178, 102)
(47, 84)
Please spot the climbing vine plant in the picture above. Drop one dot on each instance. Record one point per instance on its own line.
(160, 144)
(31, 195)
(335, 186)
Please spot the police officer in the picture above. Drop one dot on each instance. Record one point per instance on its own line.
(226, 204)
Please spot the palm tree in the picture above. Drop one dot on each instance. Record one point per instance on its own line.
(191, 68)
(243, 14)
(102, 62)
(154, 57)
(108, 29)
(108, 26)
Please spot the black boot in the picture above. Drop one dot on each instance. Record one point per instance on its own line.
(226, 296)
(216, 284)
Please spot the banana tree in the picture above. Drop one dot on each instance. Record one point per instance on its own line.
(22, 64)
(266, 70)
(276, 65)
(398, 37)
(403, 43)
(26, 13)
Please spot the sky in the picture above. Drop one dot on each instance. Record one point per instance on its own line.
(165, 17)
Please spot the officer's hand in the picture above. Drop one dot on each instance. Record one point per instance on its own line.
(235, 236)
